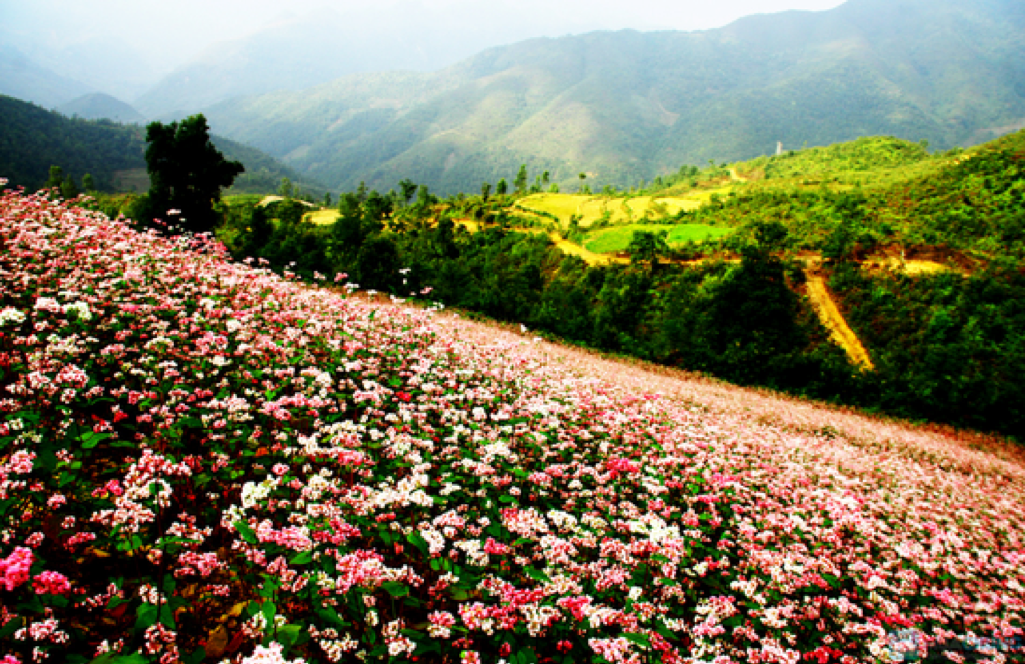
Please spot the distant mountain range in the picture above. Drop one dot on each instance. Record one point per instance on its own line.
(626, 106)
(23, 78)
(311, 49)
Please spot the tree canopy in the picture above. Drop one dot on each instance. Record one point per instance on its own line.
(186, 173)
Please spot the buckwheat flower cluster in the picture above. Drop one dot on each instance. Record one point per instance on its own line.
(272, 654)
(78, 310)
(9, 317)
(44, 631)
(51, 583)
(14, 569)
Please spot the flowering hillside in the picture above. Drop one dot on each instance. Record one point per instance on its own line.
(203, 461)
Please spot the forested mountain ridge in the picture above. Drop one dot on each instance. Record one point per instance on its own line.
(33, 139)
(626, 106)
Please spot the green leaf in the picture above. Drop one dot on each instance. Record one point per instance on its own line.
(288, 635)
(270, 609)
(639, 639)
(506, 499)
(537, 574)
(146, 616)
(167, 617)
(329, 615)
(396, 589)
(91, 439)
(10, 628)
(419, 542)
(301, 559)
(245, 531)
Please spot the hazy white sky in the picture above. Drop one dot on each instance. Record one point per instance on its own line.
(172, 31)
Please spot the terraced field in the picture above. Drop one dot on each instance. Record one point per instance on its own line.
(619, 210)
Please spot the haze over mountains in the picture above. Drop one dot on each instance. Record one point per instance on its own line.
(341, 104)
(626, 106)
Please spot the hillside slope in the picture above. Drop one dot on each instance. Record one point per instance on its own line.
(202, 460)
(32, 139)
(98, 106)
(627, 106)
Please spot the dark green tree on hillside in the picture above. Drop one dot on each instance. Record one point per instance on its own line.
(56, 178)
(186, 173)
(520, 183)
(647, 246)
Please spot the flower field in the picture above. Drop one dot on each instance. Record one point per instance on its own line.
(203, 461)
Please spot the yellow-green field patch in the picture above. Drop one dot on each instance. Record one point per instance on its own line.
(617, 238)
(619, 210)
(322, 217)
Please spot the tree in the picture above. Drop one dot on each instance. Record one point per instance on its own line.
(56, 178)
(88, 183)
(423, 197)
(407, 188)
(502, 187)
(186, 173)
(485, 191)
(521, 179)
(68, 188)
(285, 189)
(647, 246)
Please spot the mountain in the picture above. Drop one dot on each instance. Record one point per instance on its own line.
(99, 106)
(302, 51)
(32, 139)
(24, 78)
(626, 106)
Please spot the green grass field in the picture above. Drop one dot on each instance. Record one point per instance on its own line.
(616, 239)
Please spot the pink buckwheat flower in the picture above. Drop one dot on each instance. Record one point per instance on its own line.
(51, 583)
(14, 569)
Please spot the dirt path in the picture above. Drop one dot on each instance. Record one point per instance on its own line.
(834, 321)
(735, 176)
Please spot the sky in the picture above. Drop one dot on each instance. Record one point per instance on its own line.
(169, 32)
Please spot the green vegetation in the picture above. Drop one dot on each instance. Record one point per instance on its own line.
(617, 238)
(33, 139)
(946, 345)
